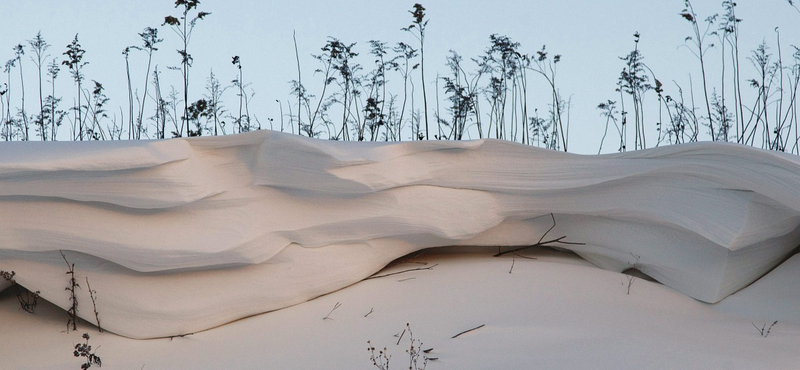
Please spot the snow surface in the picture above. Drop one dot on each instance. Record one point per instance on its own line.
(554, 312)
(184, 235)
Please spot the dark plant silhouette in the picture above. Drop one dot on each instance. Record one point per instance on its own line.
(5, 104)
(72, 285)
(19, 51)
(75, 62)
(85, 350)
(340, 56)
(3, 94)
(609, 111)
(539, 131)
(93, 296)
(698, 41)
(39, 46)
(375, 108)
(501, 64)
(417, 28)
(634, 82)
(95, 107)
(547, 68)
(302, 97)
(51, 113)
(27, 299)
(405, 53)
(10, 129)
(730, 29)
(197, 110)
(462, 94)
(149, 41)
(131, 125)
(161, 111)
(183, 25)
(243, 122)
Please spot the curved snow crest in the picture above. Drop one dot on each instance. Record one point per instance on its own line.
(187, 234)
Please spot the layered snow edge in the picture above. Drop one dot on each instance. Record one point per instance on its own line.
(183, 235)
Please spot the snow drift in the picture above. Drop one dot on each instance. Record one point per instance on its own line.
(182, 235)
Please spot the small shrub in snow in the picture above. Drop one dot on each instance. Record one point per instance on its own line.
(73, 309)
(27, 299)
(85, 350)
(416, 358)
(414, 352)
(381, 361)
(8, 276)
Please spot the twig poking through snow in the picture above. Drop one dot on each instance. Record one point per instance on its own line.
(179, 336)
(73, 310)
(401, 336)
(553, 217)
(370, 311)
(526, 257)
(636, 265)
(328, 316)
(541, 242)
(467, 331)
(94, 304)
(400, 272)
(764, 329)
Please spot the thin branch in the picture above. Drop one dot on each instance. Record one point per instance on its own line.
(526, 257)
(328, 316)
(540, 244)
(400, 272)
(467, 331)
(73, 310)
(764, 330)
(553, 217)
(401, 336)
(94, 304)
(179, 336)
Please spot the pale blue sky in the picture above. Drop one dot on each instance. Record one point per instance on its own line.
(590, 35)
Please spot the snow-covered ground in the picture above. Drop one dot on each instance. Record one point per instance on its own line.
(247, 242)
(555, 312)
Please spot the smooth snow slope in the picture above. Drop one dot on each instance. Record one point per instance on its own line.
(164, 229)
(551, 310)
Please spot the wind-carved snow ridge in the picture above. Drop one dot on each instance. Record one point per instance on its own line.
(183, 235)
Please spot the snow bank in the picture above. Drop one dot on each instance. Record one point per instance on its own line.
(183, 235)
(776, 296)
